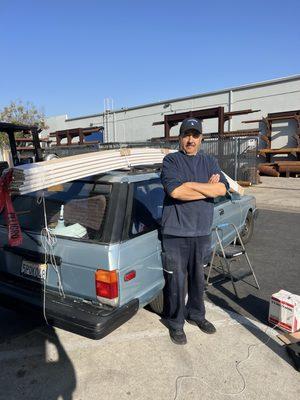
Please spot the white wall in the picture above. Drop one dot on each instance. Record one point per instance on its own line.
(135, 124)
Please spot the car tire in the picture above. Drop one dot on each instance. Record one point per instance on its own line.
(247, 230)
(157, 305)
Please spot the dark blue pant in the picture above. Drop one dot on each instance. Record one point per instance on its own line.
(183, 257)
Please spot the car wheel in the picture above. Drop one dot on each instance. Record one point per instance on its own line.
(157, 304)
(247, 230)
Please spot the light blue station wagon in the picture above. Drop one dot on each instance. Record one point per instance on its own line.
(105, 263)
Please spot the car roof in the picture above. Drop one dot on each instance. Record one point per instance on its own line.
(130, 175)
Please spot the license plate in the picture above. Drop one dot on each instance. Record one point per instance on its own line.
(34, 270)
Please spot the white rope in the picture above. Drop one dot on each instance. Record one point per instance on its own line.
(44, 297)
(49, 241)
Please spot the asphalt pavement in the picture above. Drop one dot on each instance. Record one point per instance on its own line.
(274, 255)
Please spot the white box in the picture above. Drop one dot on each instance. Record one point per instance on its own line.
(284, 311)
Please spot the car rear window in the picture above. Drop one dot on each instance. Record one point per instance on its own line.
(82, 216)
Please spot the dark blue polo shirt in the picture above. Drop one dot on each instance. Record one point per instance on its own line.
(188, 218)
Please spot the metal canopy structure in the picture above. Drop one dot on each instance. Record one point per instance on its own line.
(70, 134)
(208, 113)
(10, 129)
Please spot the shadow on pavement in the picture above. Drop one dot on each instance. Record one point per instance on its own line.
(274, 252)
(265, 339)
(34, 363)
(14, 325)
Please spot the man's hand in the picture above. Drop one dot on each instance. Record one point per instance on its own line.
(213, 188)
(185, 192)
(196, 191)
(215, 178)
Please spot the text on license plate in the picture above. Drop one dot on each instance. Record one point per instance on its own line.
(34, 270)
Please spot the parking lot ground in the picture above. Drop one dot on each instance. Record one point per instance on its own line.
(138, 361)
(279, 194)
(243, 360)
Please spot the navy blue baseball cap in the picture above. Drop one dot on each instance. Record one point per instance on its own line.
(190, 124)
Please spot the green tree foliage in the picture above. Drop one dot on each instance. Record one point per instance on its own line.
(18, 112)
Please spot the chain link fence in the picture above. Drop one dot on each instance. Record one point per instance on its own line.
(237, 156)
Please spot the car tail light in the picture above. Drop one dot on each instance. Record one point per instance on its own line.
(107, 287)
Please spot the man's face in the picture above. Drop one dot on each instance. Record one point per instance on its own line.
(191, 142)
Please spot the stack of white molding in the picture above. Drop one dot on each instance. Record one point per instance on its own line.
(29, 178)
(234, 186)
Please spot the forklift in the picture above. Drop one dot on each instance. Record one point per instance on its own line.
(34, 151)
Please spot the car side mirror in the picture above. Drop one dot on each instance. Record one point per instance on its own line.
(233, 196)
(229, 195)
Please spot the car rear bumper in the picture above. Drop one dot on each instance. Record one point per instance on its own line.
(67, 313)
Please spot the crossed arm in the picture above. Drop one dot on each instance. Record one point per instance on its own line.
(196, 191)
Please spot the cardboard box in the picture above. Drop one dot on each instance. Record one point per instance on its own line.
(288, 338)
(284, 311)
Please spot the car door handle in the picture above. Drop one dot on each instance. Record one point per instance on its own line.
(221, 212)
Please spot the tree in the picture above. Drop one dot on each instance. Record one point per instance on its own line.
(18, 112)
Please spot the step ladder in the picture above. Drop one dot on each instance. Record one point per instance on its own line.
(226, 255)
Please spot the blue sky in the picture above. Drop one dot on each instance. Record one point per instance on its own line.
(66, 56)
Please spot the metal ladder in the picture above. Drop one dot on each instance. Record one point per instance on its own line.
(226, 255)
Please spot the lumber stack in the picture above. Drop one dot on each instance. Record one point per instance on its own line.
(29, 178)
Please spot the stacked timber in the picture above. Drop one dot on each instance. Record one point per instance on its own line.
(29, 178)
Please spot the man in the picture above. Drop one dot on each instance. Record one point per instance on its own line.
(191, 180)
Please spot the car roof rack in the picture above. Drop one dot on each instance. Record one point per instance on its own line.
(71, 150)
(136, 169)
(124, 145)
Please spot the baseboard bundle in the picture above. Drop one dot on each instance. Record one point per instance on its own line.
(29, 178)
(32, 177)
(234, 186)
